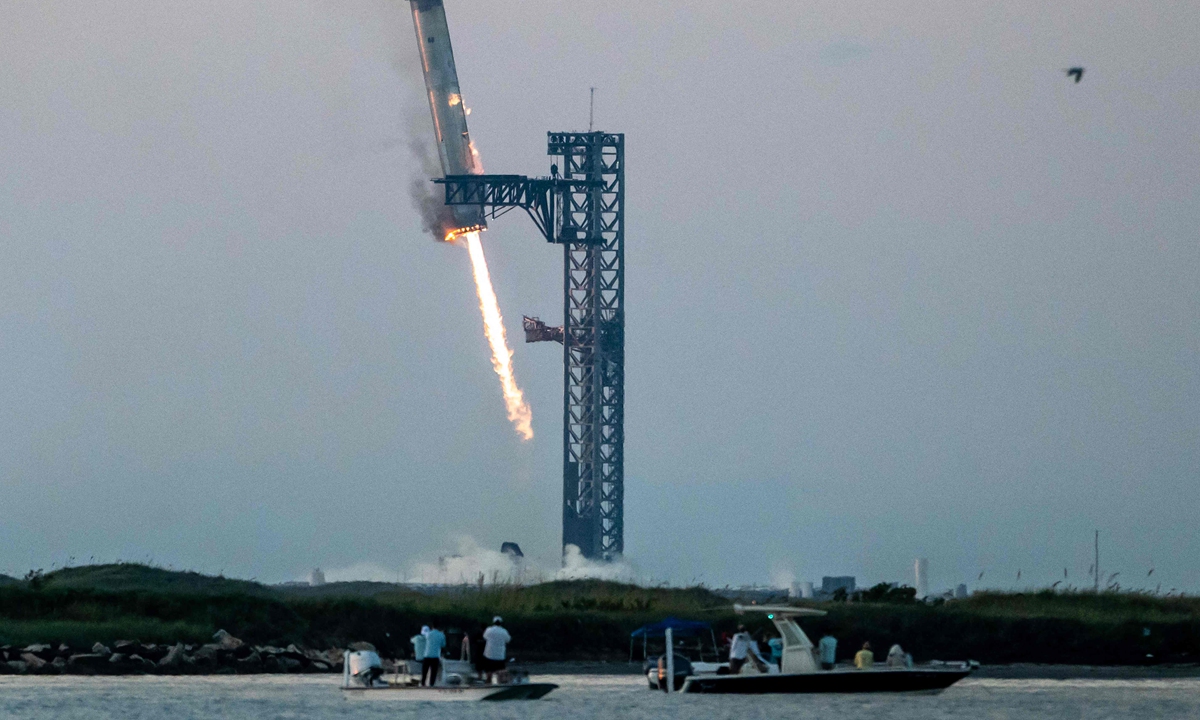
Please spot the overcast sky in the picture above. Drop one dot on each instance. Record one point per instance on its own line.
(897, 287)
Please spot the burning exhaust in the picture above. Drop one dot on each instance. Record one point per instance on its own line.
(519, 413)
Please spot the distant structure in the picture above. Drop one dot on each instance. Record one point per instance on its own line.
(921, 571)
(317, 577)
(802, 590)
(960, 592)
(830, 585)
(511, 549)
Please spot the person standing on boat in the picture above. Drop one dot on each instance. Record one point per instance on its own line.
(495, 648)
(431, 665)
(418, 643)
(739, 649)
(864, 659)
(827, 646)
(776, 645)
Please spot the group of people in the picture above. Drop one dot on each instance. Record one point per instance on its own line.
(430, 643)
(865, 658)
(743, 648)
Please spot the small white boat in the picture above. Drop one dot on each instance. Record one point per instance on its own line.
(363, 678)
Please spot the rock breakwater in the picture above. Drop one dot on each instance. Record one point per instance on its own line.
(224, 655)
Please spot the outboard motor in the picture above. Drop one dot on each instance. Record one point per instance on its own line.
(683, 668)
(364, 666)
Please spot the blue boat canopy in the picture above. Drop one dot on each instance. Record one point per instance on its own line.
(679, 628)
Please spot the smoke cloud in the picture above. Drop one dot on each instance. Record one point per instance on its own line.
(470, 562)
(782, 576)
(437, 219)
(577, 567)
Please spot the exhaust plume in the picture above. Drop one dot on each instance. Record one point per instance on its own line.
(438, 220)
(519, 413)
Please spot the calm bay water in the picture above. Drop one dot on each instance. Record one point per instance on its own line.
(580, 698)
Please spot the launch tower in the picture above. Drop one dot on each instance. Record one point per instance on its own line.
(581, 206)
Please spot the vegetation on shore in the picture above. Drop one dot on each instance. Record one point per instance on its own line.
(583, 619)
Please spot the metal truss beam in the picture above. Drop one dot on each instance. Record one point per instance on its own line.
(495, 195)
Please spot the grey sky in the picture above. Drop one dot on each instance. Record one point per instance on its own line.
(896, 286)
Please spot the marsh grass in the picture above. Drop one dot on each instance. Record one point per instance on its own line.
(580, 619)
(81, 635)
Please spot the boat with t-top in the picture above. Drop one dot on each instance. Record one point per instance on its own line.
(798, 672)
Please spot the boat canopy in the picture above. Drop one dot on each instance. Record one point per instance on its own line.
(679, 628)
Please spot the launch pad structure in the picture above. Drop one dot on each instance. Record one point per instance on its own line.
(581, 208)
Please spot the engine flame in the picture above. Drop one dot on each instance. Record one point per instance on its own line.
(519, 413)
(456, 234)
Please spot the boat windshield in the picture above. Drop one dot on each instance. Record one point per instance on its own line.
(791, 638)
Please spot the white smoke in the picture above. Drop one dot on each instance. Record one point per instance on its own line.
(577, 567)
(470, 562)
(782, 576)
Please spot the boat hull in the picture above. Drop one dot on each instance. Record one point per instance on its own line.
(834, 681)
(449, 693)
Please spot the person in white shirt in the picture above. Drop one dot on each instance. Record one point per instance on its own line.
(495, 648)
(739, 648)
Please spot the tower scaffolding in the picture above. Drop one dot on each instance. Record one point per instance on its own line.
(583, 209)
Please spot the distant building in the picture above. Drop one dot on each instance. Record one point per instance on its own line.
(830, 585)
(960, 592)
(921, 571)
(317, 577)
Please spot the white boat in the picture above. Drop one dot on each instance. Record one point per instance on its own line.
(798, 671)
(363, 678)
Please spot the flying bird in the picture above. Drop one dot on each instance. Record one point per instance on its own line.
(1075, 72)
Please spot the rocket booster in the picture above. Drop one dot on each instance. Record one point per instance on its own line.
(445, 101)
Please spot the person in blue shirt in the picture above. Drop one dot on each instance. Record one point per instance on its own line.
(776, 645)
(431, 665)
(828, 649)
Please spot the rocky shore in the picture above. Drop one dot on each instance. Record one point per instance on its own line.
(224, 655)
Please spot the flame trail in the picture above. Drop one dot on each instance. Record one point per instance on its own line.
(519, 413)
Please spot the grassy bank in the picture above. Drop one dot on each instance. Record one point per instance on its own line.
(576, 619)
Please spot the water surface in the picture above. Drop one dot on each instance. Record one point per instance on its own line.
(580, 697)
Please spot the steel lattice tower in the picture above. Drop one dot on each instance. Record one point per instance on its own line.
(593, 237)
(581, 207)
